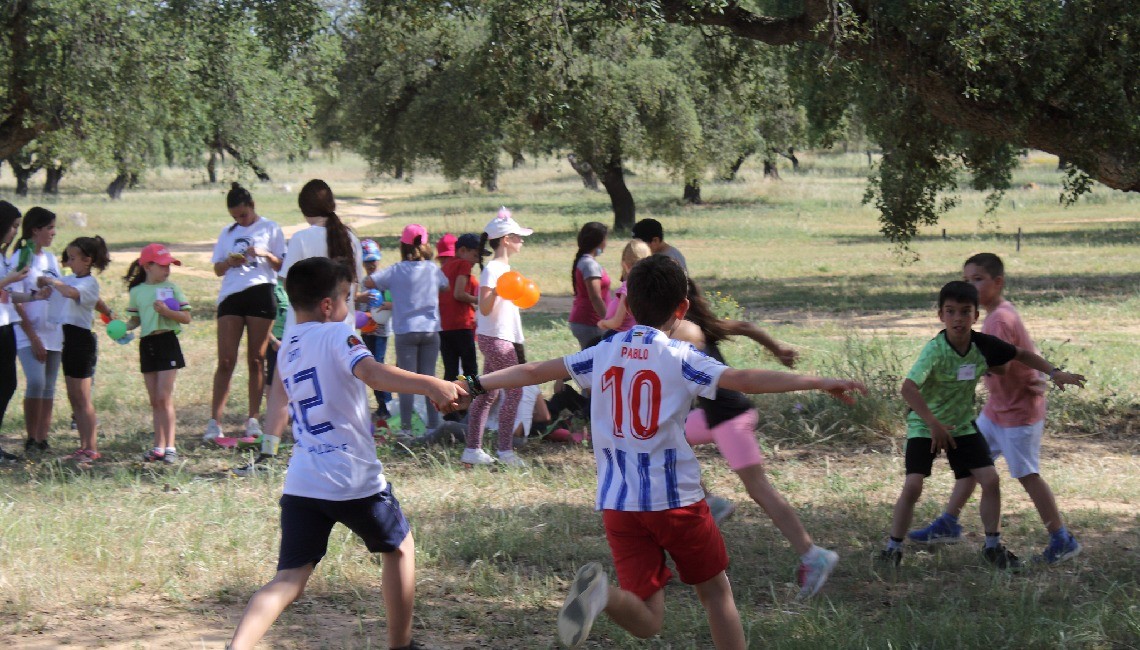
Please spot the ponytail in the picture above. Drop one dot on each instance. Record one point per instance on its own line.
(701, 315)
(93, 247)
(484, 240)
(135, 276)
(316, 200)
(590, 237)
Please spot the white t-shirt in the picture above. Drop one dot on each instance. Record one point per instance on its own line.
(8, 314)
(642, 386)
(234, 238)
(36, 311)
(80, 313)
(503, 322)
(313, 242)
(334, 457)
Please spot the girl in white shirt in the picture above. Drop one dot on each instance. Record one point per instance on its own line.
(11, 283)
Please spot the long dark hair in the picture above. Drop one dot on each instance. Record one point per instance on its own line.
(590, 237)
(483, 252)
(34, 219)
(701, 315)
(316, 200)
(135, 276)
(9, 214)
(93, 247)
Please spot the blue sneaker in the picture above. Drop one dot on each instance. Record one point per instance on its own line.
(938, 532)
(1060, 550)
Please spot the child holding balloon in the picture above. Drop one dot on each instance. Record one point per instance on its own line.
(75, 312)
(498, 333)
(160, 308)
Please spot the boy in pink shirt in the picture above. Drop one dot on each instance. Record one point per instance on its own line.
(1012, 420)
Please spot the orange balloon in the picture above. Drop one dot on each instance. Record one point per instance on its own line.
(529, 297)
(510, 285)
(369, 327)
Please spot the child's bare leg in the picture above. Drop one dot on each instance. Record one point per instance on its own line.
(904, 507)
(43, 418)
(1043, 499)
(779, 510)
(641, 618)
(399, 587)
(724, 620)
(79, 395)
(963, 489)
(267, 604)
(990, 506)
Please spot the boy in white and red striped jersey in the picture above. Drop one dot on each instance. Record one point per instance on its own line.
(649, 491)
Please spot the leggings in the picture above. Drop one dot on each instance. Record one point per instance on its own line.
(417, 352)
(735, 438)
(497, 354)
(40, 376)
(7, 368)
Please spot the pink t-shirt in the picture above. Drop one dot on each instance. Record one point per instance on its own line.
(612, 307)
(582, 310)
(1017, 398)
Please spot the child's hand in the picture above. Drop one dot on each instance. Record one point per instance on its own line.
(1062, 379)
(465, 398)
(787, 356)
(16, 276)
(162, 309)
(840, 389)
(940, 438)
(446, 395)
(44, 294)
(43, 281)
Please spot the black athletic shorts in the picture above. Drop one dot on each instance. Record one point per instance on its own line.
(971, 453)
(307, 522)
(80, 352)
(160, 352)
(257, 301)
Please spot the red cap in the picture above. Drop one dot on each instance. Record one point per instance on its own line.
(411, 231)
(445, 247)
(158, 254)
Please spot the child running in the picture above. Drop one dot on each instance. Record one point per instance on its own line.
(730, 420)
(334, 475)
(1012, 420)
(939, 389)
(649, 488)
(75, 313)
(153, 298)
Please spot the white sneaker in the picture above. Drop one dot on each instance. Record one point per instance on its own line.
(587, 598)
(510, 458)
(212, 431)
(476, 457)
(252, 428)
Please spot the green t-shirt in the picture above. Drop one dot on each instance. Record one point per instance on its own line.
(947, 379)
(282, 309)
(142, 305)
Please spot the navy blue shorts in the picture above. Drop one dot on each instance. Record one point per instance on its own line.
(306, 524)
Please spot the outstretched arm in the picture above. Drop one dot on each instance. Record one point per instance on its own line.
(783, 353)
(1059, 377)
(754, 381)
(444, 394)
(524, 374)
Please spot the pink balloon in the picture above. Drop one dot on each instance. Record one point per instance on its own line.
(362, 319)
(173, 304)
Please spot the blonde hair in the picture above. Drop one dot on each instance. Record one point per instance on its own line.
(635, 250)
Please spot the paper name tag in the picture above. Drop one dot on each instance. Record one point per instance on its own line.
(967, 372)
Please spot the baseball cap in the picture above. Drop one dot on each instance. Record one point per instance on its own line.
(503, 224)
(647, 229)
(469, 241)
(445, 247)
(370, 250)
(158, 254)
(411, 231)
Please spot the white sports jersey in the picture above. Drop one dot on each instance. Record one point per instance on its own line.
(642, 391)
(334, 457)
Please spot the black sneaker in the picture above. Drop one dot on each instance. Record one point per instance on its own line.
(5, 457)
(259, 466)
(890, 557)
(29, 445)
(43, 445)
(1001, 557)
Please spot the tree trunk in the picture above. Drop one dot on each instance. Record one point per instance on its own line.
(870, 161)
(51, 183)
(1061, 163)
(589, 176)
(212, 167)
(770, 169)
(692, 193)
(115, 189)
(791, 155)
(489, 174)
(23, 173)
(625, 212)
(262, 175)
(735, 168)
(517, 159)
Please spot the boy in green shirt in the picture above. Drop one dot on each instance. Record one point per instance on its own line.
(939, 389)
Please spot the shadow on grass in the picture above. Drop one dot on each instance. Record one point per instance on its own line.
(1121, 236)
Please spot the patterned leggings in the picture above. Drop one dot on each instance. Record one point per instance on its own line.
(497, 354)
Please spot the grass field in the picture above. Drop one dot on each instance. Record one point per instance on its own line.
(127, 555)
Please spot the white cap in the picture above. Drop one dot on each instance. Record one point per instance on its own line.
(504, 224)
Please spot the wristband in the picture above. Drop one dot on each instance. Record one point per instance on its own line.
(474, 387)
(1053, 372)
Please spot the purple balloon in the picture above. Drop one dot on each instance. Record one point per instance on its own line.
(173, 304)
(362, 319)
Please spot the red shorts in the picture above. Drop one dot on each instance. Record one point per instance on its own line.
(639, 540)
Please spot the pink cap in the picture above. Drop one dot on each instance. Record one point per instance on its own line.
(445, 247)
(158, 254)
(411, 231)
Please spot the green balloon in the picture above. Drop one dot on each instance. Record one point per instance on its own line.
(116, 329)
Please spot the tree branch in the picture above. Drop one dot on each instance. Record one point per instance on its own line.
(741, 22)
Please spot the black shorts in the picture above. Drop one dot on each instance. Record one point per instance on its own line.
(159, 352)
(520, 352)
(270, 364)
(80, 352)
(257, 301)
(971, 453)
(307, 522)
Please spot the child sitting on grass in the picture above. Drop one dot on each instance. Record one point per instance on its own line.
(649, 488)
(334, 475)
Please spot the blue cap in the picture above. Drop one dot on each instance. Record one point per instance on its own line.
(371, 250)
(468, 241)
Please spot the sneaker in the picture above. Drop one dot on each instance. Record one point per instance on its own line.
(888, 557)
(5, 457)
(476, 457)
(252, 428)
(259, 466)
(152, 456)
(171, 457)
(1059, 550)
(510, 458)
(587, 598)
(88, 456)
(29, 445)
(938, 532)
(1001, 557)
(213, 431)
(815, 571)
(43, 446)
(720, 508)
(77, 456)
